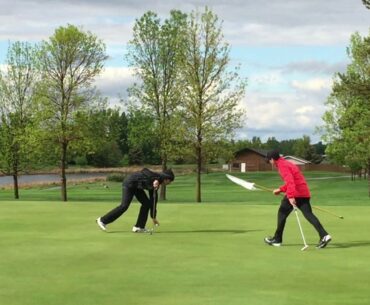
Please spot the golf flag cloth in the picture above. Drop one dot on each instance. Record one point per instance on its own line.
(241, 182)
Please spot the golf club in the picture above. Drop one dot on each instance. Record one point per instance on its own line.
(300, 229)
(253, 186)
(151, 231)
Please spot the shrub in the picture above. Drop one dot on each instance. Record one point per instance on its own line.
(116, 177)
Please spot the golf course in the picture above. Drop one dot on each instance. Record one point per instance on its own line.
(209, 253)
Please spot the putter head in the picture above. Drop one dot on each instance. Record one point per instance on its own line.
(304, 248)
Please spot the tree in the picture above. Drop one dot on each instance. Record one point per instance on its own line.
(154, 52)
(70, 60)
(272, 143)
(17, 87)
(256, 143)
(347, 121)
(302, 148)
(211, 92)
(104, 129)
(142, 140)
(122, 139)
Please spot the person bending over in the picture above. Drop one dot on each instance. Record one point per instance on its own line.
(134, 185)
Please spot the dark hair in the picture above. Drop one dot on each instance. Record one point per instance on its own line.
(168, 174)
(272, 154)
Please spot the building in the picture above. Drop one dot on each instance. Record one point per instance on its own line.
(250, 160)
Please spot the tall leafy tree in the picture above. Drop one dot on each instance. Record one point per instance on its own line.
(211, 90)
(347, 121)
(142, 140)
(302, 148)
(104, 131)
(154, 53)
(17, 88)
(70, 60)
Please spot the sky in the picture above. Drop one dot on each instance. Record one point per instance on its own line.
(289, 50)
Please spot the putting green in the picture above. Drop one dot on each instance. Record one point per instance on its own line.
(53, 253)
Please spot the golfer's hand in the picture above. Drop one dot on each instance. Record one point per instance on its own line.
(156, 222)
(293, 202)
(156, 184)
(276, 191)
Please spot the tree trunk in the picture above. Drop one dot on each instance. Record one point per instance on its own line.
(162, 194)
(368, 176)
(63, 164)
(199, 171)
(16, 188)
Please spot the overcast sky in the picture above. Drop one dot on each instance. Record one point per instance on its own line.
(288, 49)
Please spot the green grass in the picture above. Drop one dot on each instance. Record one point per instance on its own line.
(212, 253)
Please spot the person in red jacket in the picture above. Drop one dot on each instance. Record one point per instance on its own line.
(297, 194)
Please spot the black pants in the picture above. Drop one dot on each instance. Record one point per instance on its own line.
(127, 196)
(304, 205)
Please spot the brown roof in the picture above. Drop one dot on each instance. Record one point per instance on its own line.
(261, 152)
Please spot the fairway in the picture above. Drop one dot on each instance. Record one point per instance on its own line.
(53, 253)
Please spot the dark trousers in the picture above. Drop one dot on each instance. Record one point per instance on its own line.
(304, 205)
(127, 196)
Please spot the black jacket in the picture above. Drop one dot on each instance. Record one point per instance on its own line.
(143, 179)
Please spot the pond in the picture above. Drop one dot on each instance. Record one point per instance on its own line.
(5, 180)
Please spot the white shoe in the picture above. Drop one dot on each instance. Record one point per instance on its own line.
(324, 242)
(139, 230)
(272, 241)
(101, 224)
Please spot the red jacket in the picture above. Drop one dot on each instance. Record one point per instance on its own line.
(295, 184)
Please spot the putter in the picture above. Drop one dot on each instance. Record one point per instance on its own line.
(300, 229)
(151, 231)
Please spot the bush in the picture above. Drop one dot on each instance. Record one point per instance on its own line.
(116, 177)
(81, 161)
(107, 155)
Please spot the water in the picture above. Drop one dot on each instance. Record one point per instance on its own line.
(5, 180)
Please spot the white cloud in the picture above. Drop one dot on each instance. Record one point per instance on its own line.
(305, 110)
(114, 82)
(266, 78)
(245, 22)
(281, 115)
(315, 84)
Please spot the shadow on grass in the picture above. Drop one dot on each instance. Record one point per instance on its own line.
(334, 245)
(351, 244)
(194, 231)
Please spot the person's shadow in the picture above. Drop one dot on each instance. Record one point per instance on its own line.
(350, 244)
(219, 231)
(227, 231)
